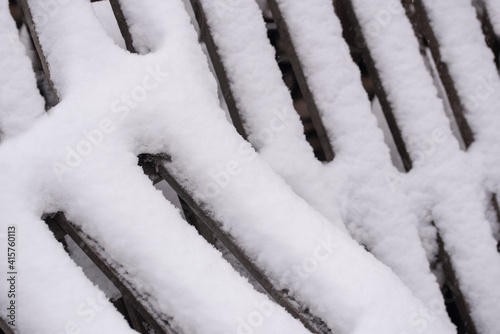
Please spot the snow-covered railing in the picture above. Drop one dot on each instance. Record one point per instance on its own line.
(159, 103)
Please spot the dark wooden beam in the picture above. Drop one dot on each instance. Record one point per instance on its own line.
(344, 8)
(298, 70)
(219, 68)
(96, 253)
(491, 38)
(28, 17)
(310, 321)
(122, 24)
(456, 301)
(420, 20)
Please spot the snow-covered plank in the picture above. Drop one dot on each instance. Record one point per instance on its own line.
(21, 108)
(491, 36)
(16, 79)
(98, 255)
(474, 75)
(166, 267)
(446, 178)
(363, 157)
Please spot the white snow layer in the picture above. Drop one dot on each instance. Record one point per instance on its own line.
(356, 183)
(445, 180)
(16, 79)
(81, 159)
(50, 292)
(493, 9)
(160, 253)
(472, 67)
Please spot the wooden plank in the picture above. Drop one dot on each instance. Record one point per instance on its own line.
(344, 8)
(135, 319)
(220, 71)
(311, 322)
(455, 299)
(421, 21)
(151, 171)
(95, 252)
(302, 81)
(36, 41)
(122, 24)
(492, 40)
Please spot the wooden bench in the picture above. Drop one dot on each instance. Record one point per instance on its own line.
(356, 187)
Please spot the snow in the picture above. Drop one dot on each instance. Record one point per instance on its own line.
(493, 9)
(82, 159)
(445, 184)
(471, 65)
(160, 253)
(16, 115)
(42, 266)
(353, 188)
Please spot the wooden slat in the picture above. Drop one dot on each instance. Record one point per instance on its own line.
(344, 8)
(302, 82)
(463, 320)
(122, 24)
(490, 36)
(36, 41)
(135, 318)
(311, 322)
(421, 21)
(220, 71)
(95, 252)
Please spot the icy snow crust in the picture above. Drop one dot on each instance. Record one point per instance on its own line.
(109, 197)
(355, 187)
(445, 182)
